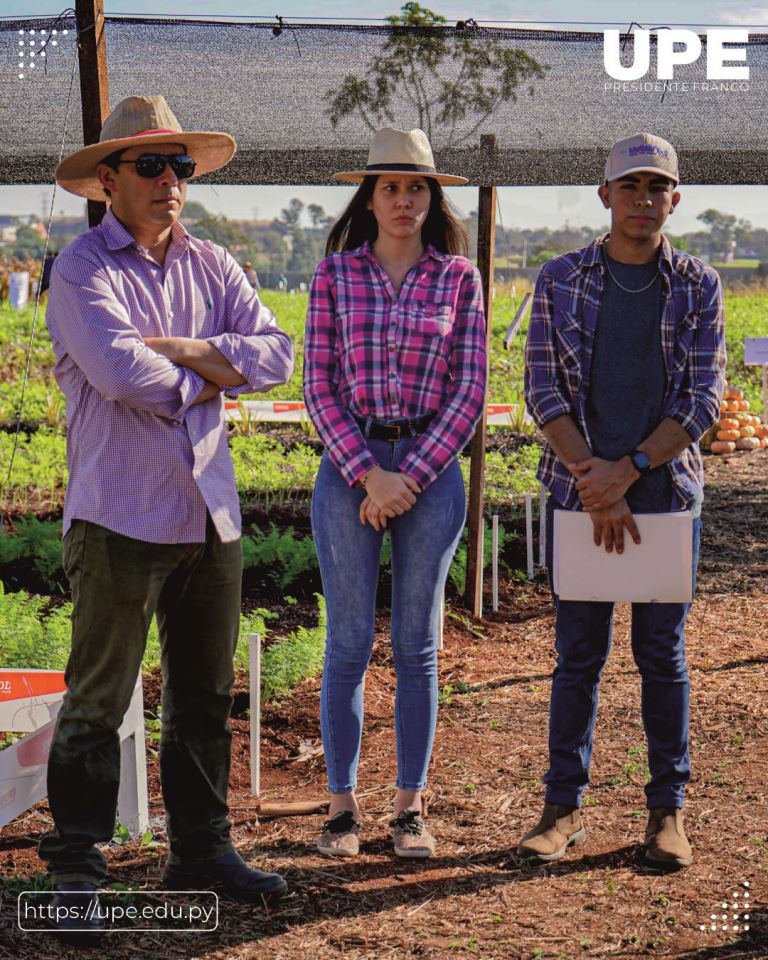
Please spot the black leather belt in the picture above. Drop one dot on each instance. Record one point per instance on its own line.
(377, 430)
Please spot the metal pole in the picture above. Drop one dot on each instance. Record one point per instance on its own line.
(529, 532)
(495, 531)
(94, 87)
(486, 228)
(254, 662)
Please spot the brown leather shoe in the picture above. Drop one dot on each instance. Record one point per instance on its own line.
(559, 828)
(666, 844)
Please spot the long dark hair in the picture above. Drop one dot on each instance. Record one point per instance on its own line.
(442, 227)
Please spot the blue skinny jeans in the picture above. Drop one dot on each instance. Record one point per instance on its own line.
(423, 543)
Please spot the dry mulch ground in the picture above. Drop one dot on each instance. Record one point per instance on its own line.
(475, 898)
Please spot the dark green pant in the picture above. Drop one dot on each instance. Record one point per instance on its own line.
(117, 585)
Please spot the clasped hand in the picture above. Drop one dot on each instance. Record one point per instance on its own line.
(602, 483)
(608, 526)
(388, 494)
(601, 486)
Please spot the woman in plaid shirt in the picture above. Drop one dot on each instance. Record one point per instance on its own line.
(394, 381)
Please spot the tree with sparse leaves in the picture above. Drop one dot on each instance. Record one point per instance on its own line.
(291, 215)
(722, 227)
(316, 215)
(454, 80)
(220, 230)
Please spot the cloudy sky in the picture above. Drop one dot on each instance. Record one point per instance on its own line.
(523, 206)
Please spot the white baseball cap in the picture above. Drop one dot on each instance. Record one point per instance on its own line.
(642, 153)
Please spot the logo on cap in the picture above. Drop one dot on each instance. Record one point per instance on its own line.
(648, 148)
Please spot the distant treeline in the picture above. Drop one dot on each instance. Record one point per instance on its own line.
(291, 245)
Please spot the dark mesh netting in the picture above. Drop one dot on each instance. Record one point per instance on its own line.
(276, 95)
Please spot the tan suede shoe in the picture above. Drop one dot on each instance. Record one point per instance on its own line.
(410, 835)
(559, 828)
(340, 836)
(666, 844)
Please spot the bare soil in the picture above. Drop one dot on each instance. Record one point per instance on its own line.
(475, 898)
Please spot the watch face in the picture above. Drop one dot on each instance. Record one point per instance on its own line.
(641, 461)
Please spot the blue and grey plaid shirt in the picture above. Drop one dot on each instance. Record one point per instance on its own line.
(558, 355)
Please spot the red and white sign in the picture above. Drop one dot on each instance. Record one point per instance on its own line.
(295, 411)
(29, 698)
(29, 703)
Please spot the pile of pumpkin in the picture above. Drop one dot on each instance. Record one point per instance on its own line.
(738, 429)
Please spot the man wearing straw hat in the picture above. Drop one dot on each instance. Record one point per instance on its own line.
(150, 326)
(624, 373)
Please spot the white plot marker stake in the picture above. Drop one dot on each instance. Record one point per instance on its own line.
(529, 532)
(495, 531)
(254, 657)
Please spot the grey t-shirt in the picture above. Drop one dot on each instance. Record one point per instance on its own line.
(628, 379)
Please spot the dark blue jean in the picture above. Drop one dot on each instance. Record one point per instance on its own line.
(423, 543)
(583, 634)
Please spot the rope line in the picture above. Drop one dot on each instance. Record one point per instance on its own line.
(235, 18)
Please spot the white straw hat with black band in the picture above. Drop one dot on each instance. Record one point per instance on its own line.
(400, 151)
(141, 121)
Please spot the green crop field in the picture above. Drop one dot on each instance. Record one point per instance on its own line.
(746, 313)
(265, 471)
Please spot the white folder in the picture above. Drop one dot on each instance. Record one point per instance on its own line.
(657, 570)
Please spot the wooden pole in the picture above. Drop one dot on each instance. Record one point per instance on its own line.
(486, 229)
(94, 88)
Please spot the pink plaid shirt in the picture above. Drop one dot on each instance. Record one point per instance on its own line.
(142, 460)
(370, 352)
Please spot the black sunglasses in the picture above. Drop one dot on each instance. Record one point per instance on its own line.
(151, 165)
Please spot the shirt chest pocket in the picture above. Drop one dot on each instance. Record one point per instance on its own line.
(568, 332)
(430, 321)
(684, 337)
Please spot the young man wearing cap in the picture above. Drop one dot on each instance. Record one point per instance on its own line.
(624, 373)
(150, 326)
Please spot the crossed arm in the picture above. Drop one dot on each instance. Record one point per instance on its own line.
(203, 358)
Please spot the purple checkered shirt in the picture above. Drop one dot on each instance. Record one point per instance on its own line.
(142, 460)
(370, 352)
(558, 355)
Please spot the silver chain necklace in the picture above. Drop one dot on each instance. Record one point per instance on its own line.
(621, 285)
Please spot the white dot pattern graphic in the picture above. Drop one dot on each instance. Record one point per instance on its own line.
(736, 904)
(45, 38)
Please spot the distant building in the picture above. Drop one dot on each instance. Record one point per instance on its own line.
(8, 228)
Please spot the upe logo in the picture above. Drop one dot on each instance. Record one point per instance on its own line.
(688, 50)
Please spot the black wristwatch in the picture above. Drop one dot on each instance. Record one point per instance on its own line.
(641, 462)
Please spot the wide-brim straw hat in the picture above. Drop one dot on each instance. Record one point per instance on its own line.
(400, 151)
(141, 121)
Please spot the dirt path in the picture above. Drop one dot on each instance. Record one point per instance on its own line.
(475, 898)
